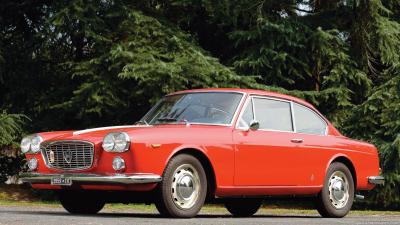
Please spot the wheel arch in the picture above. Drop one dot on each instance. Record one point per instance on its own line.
(207, 166)
(349, 164)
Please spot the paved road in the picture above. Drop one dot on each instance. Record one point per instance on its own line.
(57, 216)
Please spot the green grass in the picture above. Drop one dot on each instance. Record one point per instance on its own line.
(19, 195)
(209, 208)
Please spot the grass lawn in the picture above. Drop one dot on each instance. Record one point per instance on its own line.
(209, 208)
(17, 195)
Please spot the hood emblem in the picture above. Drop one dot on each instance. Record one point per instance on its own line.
(67, 154)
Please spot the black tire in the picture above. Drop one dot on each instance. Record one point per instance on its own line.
(329, 205)
(80, 202)
(170, 201)
(243, 207)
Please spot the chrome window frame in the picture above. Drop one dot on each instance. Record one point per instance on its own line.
(204, 91)
(275, 99)
(248, 101)
(318, 115)
(293, 117)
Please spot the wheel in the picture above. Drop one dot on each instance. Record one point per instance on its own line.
(182, 191)
(80, 202)
(337, 195)
(243, 207)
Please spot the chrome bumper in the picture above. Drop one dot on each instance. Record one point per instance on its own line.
(376, 180)
(40, 178)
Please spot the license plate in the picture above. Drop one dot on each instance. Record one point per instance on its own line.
(65, 181)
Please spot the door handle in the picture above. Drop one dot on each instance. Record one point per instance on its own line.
(297, 140)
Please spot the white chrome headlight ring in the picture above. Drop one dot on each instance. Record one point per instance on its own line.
(35, 143)
(116, 142)
(26, 144)
(32, 164)
(31, 144)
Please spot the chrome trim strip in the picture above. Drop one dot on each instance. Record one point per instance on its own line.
(237, 110)
(248, 101)
(106, 128)
(360, 197)
(40, 178)
(376, 180)
(205, 90)
(293, 119)
(253, 107)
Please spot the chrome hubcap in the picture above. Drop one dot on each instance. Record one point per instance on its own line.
(338, 189)
(185, 186)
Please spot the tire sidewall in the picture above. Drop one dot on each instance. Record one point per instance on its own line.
(243, 207)
(165, 186)
(329, 208)
(80, 202)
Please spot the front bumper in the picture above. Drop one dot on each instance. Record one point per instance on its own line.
(40, 178)
(376, 180)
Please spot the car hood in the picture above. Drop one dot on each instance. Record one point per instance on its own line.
(94, 135)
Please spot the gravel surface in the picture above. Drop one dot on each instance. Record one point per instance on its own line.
(57, 216)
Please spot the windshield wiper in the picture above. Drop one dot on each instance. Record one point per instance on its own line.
(142, 122)
(171, 119)
(167, 119)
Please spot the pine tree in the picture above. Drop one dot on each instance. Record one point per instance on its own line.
(95, 63)
(125, 61)
(341, 55)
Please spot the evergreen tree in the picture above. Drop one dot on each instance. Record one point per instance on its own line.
(125, 61)
(76, 64)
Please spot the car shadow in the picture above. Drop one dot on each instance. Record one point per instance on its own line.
(147, 215)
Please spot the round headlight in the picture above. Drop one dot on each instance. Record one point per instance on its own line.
(25, 144)
(118, 163)
(35, 143)
(32, 164)
(122, 142)
(116, 142)
(108, 142)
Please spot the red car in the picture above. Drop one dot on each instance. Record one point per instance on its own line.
(238, 146)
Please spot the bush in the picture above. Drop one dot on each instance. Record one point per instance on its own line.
(11, 161)
(10, 166)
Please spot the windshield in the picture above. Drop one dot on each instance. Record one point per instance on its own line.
(200, 107)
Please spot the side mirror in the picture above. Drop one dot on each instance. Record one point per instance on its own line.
(254, 125)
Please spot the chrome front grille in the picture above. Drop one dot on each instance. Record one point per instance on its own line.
(68, 155)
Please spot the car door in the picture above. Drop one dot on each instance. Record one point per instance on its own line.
(268, 156)
(316, 146)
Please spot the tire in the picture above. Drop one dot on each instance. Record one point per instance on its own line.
(80, 202)
(183, 189)
(243, 207)
(337, 195)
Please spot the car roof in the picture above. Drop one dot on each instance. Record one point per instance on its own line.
(250, 92)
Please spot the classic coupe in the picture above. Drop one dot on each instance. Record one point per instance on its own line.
(238, 146)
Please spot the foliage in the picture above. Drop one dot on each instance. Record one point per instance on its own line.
(376, 120)
(10, 131)
(77, 64)
(105, 63)
(10, 166)
(144, 54)
(10, 128)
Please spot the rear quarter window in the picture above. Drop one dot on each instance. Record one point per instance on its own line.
(307, 121)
